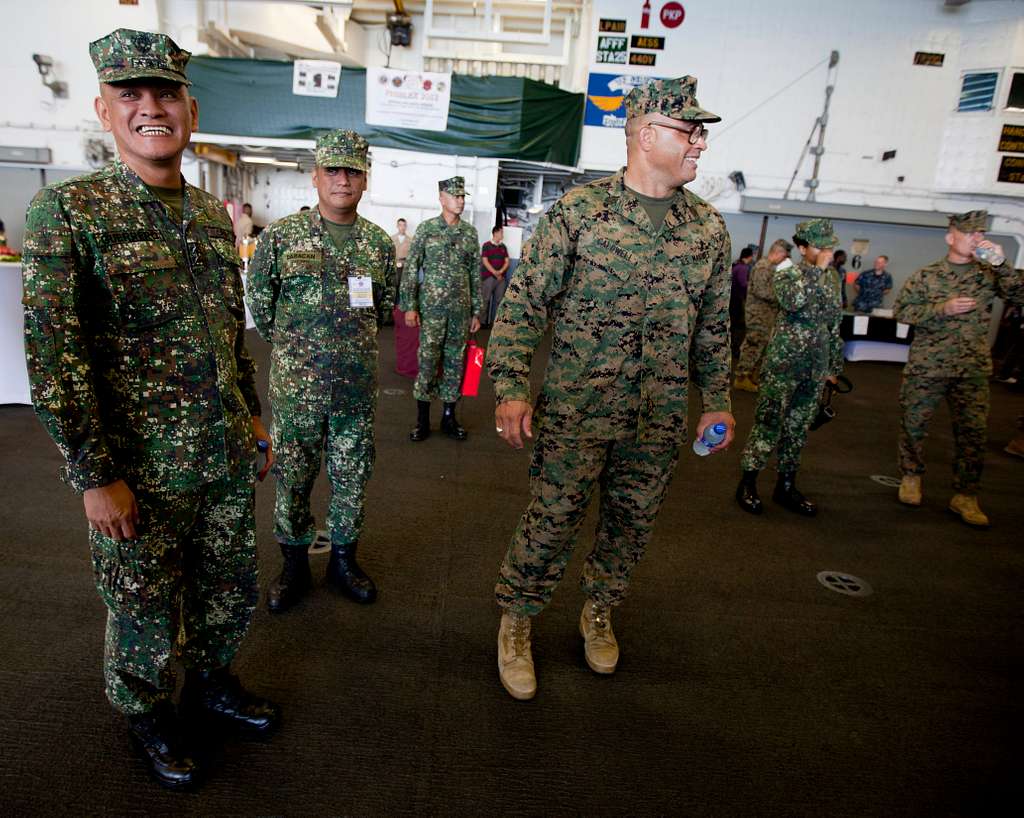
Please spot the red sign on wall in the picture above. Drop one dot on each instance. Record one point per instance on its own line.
(672, 14)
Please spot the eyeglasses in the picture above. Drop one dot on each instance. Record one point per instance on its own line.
(695, 134)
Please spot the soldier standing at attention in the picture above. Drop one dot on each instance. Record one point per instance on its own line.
(760, 314)
(445, 305)
(805, 350)
(633, 273)
(311, 293)
(950, 305)
(135, 339)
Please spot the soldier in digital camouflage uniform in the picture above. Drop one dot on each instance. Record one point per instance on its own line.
(313, 285)
(445, 250)
(760, 316)
(135, 345)
(632, 272)
(949, 303)
(805, 350)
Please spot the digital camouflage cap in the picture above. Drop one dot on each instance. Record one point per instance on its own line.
(342, 149)
(973, 221)
(127, 54)
(817, 233)
(455, 186)
(674, 98)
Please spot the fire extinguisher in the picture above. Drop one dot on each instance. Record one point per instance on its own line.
(645, 18)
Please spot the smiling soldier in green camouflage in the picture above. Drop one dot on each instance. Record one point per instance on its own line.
(135, 343)
(313, 285)
(632, 273)
(444, 305)
(950, 305)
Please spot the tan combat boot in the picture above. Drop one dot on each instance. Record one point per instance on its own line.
(1015, 447)
(599, 645)
(744, 384)
(515, 661)
(966, 505)
(910, 490)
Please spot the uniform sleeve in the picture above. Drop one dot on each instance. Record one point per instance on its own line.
(761, 281)
(524, 311)
(789, 288)
(835, 340)
(473, 271)
(710, 348)
(58, 359)
(1010, 283)
(408, 296)
(915, 305)
(387, 301)
(264, 284)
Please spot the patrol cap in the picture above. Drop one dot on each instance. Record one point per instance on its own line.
(675, 98)
(455, 186)
(342, 149)
(127, 54)
(782, 244)
(973, 221)
(817, 233)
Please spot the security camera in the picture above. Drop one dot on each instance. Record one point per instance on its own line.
(44, 62)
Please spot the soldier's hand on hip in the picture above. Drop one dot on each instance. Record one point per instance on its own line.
(474, 324)
(710, 419)
(260, 431)
(412, 318)
(512, 419)
(958, 305)
(112, 510)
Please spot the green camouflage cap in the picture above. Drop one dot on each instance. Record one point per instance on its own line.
(455, 186)
(676, 99)
(817, 233)
(342, 149)
(973, 221)
(127, 54)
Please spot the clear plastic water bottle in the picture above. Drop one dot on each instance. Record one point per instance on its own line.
(989, 255)
(713, 435)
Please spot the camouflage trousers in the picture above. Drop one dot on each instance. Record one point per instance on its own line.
(968, 400)
(785, 408)
(633, 479)
(303, 437)
(441, 358)
(186, 587)
(752, 351)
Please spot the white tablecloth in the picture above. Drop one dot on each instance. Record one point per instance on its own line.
(13, 373)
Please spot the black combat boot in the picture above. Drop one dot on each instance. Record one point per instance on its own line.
(450, 426)
(294, 580)
(155, 737)
(787, 496)
(217, 697)
(421, 431)
(345, 576)
(746, 492)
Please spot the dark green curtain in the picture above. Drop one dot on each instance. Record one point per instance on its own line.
(506, 117)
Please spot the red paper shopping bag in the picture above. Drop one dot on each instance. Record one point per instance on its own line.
(474, 366)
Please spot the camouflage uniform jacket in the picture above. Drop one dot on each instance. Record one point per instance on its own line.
(761, 302)
(626, 303)
(449, 257)
(135, 334)
(954, 346)
(298, 294)
(806, 341)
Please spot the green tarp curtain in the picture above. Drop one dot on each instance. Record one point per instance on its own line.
(507, 117)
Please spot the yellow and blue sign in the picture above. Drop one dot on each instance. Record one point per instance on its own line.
(606, 94)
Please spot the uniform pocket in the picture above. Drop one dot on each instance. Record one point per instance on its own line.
(143, 280)
(302, 289)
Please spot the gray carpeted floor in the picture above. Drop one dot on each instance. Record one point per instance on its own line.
(745, 687)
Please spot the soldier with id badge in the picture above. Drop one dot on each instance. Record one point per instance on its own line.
(313, 284)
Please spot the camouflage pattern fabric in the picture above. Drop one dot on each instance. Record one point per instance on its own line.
(634, 478)
(674, 98)
(127, 54)
(342, 149)
(968, 400)
(761, 308)
(817, 233)
(950, 357)
(629, 308)
(323, 370)
(804, 350)
(456, 186)
(954, 346)
(970, 222)
(135, 345)
(872, 290)
(185, 589)
(446, 300)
